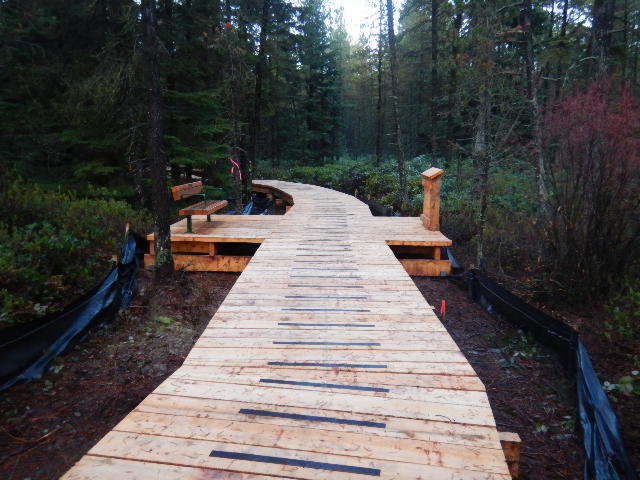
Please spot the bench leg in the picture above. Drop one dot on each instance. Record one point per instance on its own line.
(208, 218)
(189, 225)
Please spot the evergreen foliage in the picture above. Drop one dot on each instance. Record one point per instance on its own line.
(281, 88)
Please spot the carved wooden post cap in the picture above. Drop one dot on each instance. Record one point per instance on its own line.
(432, 173)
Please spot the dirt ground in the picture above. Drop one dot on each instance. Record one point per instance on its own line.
(529, 390)
(47, 425)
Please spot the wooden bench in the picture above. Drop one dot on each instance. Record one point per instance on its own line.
(204, 207)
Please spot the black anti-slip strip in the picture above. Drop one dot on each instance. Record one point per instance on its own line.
(315, 250)
(343, 248)
(350, 297)
(320, 261)
(365, 325)
(311, 418)
(324, 276)
(305, 285)
(326, 269)
(325, 310)
(334, 467)
(331, 365)
(313, 261)
(325, 385)
(373, 344)
(325, 244)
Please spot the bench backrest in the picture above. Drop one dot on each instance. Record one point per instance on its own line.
(187, 190)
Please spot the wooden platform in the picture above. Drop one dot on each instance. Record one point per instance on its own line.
(221, 245)
(324, 362)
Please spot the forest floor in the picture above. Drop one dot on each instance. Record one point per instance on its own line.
(47, 425)
(529, 390)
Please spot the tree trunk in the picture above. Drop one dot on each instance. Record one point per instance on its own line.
(379, 122)
(227, 11)
(402, 175)
(257, 98)
(484, 21)
(453, 78)
(155, 147)
(603, 13)
(625, 39)
(482, 160)
(636, 54)
(562, 45)
(175, 173)
(435, 87)
(532, 96)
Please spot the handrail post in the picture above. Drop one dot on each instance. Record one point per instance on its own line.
(431, 207)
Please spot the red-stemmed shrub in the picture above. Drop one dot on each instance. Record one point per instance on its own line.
(591, 143)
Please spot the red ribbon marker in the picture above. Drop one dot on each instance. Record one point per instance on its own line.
(235, 169)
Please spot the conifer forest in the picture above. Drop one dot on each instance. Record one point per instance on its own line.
(531, 107)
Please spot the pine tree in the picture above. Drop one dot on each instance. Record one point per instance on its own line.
(155, 149)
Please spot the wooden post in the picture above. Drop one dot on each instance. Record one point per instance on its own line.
(431, 207)
(511, 445)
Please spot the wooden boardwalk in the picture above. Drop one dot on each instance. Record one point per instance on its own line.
(324, 362)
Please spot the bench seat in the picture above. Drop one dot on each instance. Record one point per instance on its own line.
(204, 208)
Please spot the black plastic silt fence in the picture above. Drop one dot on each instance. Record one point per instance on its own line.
(606, 458)
(26, 350)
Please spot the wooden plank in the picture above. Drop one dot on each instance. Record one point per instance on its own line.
(295, 438)
(397, 427)
(375, 404)
(189, 247)
(346, 334)
(310, 381)
(344, 376)
(196, 453)
(205, 263)
(206, 207)
(426, 268)
(326, 355)
(187, 190)
(415, 368)
(331, 342)
(92, 467)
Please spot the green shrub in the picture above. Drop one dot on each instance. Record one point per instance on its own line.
(624, 307)
(54, 247)
(512, 237)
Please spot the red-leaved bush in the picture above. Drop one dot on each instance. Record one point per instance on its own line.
(591, 143)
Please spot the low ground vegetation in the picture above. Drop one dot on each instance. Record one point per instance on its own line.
(55, 246)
